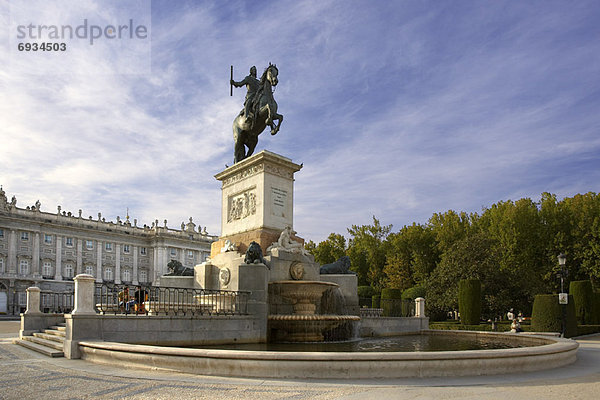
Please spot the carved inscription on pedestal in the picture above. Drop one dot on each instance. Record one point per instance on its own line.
(241, 205)
(279, 199)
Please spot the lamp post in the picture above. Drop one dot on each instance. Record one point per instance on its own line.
(563, 298)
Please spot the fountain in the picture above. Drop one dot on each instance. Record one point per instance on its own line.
(303, 325)
(287, 301)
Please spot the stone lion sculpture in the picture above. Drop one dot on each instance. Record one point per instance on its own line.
(254, 254)
(341, 266)
(177, 269)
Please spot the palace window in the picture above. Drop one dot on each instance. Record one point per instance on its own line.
(2, 265)
(108, 246)
(69, 242)
(173, 252)
(89, 244)
(68, 270)
(1, 233)
(126, 275)
(89, 269)
(108, 274)
(48, 239)
(143, 251)
(24, 267)
(24, 235)
(125, 248)
(47, 269)
(190, 254)
(143, 275)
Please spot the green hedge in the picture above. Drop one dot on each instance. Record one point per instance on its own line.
(546, 315)
(469, 301)
(376, 301)
(413, 292)
(583, 296)
(366, 291)
(587, 329)
(391, 302)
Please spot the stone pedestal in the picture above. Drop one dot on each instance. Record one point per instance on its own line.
(420, 307)
(33, 301)
(257, 200)
(84, 295)
(176, 281)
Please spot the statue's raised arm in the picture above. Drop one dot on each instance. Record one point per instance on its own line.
(260, 111)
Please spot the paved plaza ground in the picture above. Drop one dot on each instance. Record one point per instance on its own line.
(25, 374)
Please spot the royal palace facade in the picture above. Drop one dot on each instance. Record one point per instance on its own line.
(47, 250)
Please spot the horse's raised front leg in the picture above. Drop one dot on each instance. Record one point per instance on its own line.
(275, 128)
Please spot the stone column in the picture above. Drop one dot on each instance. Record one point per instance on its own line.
(420, 307)
(99, 245)
(12, 252)
(79, 257)
(33, 301)
(182, 256)
(135, 265)
(160, 265)
(117, 263)
(153, 269)
(35, 259)
(58, 269)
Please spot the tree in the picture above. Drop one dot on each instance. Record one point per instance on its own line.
(412, 255)
(367, 252)
(517, 231)
(330, 250)
(449, 227)
(473, 257)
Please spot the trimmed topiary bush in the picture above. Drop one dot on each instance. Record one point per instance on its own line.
(391, 302)
(583, 296)
(376, 301)
(469, 301)
(547, 315)
(408, 297)
(413, 292)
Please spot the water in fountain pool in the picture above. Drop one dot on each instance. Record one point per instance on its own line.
(405, 343)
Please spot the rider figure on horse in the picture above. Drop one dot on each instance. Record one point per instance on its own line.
(252, 84)
(259, 112)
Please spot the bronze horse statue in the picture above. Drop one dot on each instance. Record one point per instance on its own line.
(246, 130)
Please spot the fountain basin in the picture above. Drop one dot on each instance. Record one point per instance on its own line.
(548, 353)
(302, 294)
(307, 328)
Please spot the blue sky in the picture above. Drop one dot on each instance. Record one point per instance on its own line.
(397, 109)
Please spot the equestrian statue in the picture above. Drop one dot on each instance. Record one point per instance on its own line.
(260, 111)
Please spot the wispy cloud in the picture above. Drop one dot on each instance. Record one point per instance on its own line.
(398, 110)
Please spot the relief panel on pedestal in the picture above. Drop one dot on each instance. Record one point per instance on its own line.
(241, 205)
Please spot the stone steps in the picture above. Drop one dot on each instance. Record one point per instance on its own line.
(47, 351)
(49, 342)
(55, 332)
(44, 342)
(50, 337)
